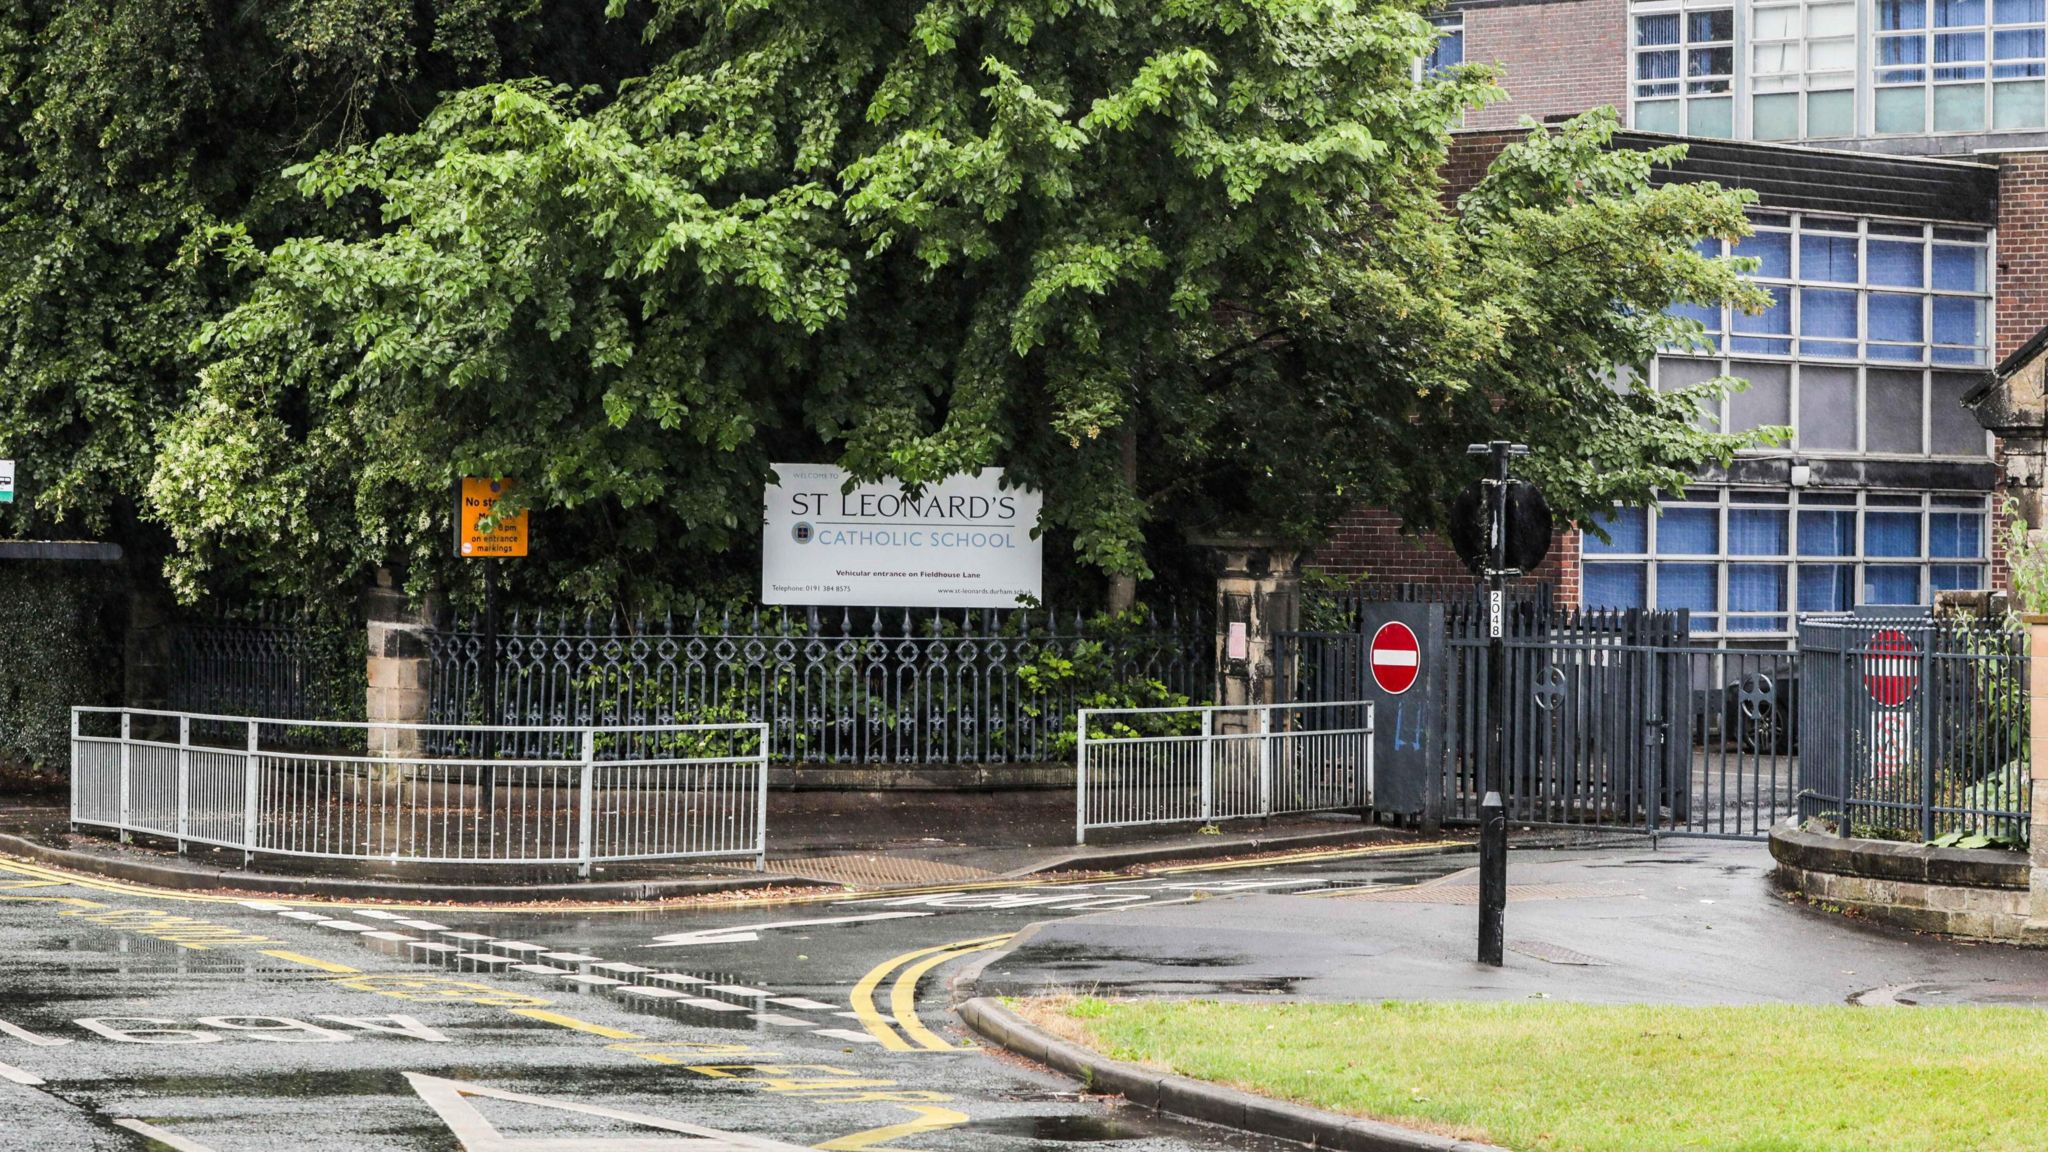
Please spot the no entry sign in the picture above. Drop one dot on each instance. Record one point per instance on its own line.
(1395, 657)
(1891, 668)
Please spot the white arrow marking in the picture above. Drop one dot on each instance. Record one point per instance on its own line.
(748, 932)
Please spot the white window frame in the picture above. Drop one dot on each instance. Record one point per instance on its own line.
(1724, 501)
(1738, 112)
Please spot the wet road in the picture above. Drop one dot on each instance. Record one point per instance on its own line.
(129, 1016)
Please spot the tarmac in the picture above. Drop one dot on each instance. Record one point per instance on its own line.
(1688, 922)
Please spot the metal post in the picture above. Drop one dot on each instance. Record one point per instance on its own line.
(125, 730)
(1922, 714)
(1493, 879)
(77, 777)
(1208, 763)
(761, 801)
(184, 780)
(490, 657)
(250, 782)
(1266, 760)
(1081, 776)
(587, 789)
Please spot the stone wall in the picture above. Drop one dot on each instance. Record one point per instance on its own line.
(1979, 895)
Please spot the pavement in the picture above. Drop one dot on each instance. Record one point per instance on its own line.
(866, 840)
(1688, 922)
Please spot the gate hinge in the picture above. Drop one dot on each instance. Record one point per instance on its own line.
(1655, 731)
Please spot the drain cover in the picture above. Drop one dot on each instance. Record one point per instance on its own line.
(1555, 954)
(872, 870)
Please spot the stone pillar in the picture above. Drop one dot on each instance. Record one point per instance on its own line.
(146, 646)
(397, 675)
(1258, 593)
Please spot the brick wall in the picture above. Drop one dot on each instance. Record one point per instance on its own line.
(1470, 156)
(1560, 57)
(1371, 544)
(2022, 284)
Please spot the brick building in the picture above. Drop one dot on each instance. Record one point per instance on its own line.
(1899, 151)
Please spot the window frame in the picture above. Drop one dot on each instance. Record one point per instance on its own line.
(1726, 500)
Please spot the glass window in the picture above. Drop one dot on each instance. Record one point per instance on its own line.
(1449, 49)
(1897, 263)
(1893, 403)
(1684, 70)
(1953, 430)
(1829, 411)
(1952, 534)
(1610, 585)
(1827, 532)
(1891, 584)
(1756, 532)
(1628, 531)
(1694, 587)
(1756, 588)
(1771, 250)
(1827, 587)
(1767, 402)
(1891, 534)
(1688, 531)
(1827, 258)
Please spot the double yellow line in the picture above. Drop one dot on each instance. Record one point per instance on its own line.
(908, 969)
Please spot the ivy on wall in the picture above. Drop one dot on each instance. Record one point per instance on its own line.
(57, 650)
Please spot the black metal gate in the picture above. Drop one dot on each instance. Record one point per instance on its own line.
(1613, 719)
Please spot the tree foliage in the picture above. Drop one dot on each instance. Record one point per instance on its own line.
(1184, 265)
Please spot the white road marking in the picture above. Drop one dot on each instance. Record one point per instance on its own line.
(28, 1037)
(745, 933)
(394, 937)
(169, 1140)
(375, 914)
(801, 1002)
(736, 990)
(302, 915)
(846, 1034)
(675, 978)
(483, 958)
(518, 946)
(782, 1021)
(471, 1130)
(651, 993)
(571, 957)
(424, 925)
(10, 1072)
(265, 905)
(430, 946)
(715, 1005)
(621, 968)
(542, 969)
(594, 981)
(468, 936)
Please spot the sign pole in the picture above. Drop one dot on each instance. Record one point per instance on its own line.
(1493, 767)
(491, 715)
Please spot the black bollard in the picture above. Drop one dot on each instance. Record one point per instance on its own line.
(1493, 878)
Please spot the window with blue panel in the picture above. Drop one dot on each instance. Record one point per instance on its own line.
(1891, 534)
(1891, 584)
(1754, 589)
(1827, 587)
(1691, 586)
(1628, 531)
(1953, 534)
(1688, 531)
(1613, 585)
(1449, 49)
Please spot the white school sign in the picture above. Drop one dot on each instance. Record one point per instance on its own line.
(964, 543)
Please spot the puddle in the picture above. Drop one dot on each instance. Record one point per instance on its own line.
(1064, 1129)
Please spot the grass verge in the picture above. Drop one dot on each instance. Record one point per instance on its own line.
(1600, 1078)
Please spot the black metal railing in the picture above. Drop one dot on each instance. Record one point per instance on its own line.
(268, 661)
(836, 686)
(1914, 728)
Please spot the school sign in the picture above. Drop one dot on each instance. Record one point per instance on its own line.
(965, 543)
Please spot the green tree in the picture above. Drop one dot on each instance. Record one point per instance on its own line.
(129, 129)
(1184, 265)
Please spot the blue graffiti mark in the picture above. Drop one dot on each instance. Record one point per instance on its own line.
(1401, 726)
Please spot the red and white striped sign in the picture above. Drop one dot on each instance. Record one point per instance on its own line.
(1891, 668)
(1395, 658)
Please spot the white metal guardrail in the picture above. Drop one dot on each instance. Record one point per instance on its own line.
(1137, 766)
(439, 794)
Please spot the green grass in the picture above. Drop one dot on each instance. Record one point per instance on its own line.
(1597, 1078)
